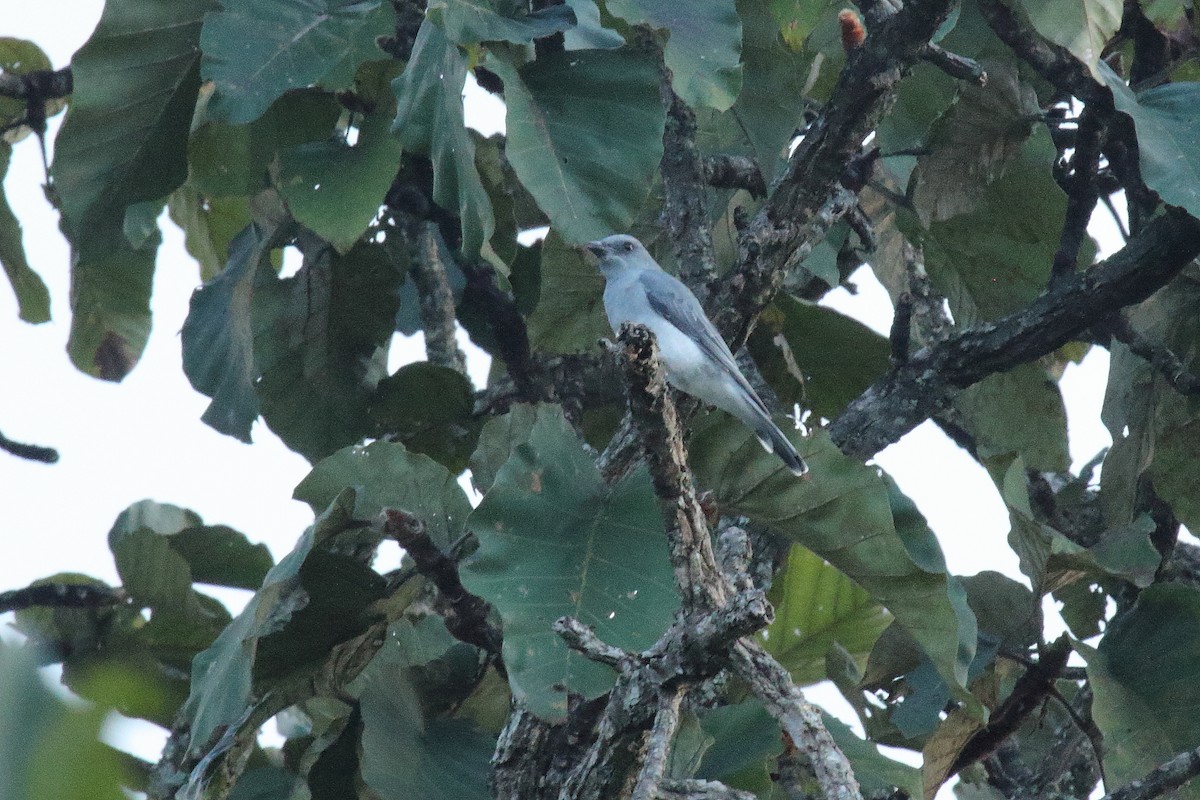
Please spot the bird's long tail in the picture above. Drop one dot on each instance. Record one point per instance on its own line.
(773, 441)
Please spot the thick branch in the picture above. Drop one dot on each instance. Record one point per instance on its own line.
(1170, 776)
(907, 396)
(735, 172)
(467, 615)
(685, 210)
(437, 302)
(1052, 62)
(61, 595)
(40, 85)
(658, 745)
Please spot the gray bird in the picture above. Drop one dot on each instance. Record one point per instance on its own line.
(696, 358)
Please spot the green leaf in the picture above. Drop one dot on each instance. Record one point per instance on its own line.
(388, 476)
(51, 749)
(235, 160)
(110, 303)
(1146, 679)
(1167, 15)
(429, 119)
(849, 517)
(1003, 608)
(816, 606)
(703, 52)
(1168, 136)
(589, 32)
(445, 430)
(335, 189)
(816, 356)
(321, 344)
(255, 50)
(409, 747)
(218, 338)
(209, 225)
(151, 571)
(501, 435)
(554, 540)
(222, 675)
(569, 316)
(1018, 411)
(585, 136)
(472, 21)
(122, 141)
(33, 298)
(220, 555)
(1084, 27)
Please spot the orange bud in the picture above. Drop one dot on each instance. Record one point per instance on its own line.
(853, 32)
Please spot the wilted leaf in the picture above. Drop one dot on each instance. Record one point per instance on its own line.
(585, 136)
(554, 540)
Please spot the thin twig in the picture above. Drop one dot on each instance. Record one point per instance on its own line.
(32, 452)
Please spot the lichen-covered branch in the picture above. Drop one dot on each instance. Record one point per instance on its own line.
(913, 392)
(437, 302)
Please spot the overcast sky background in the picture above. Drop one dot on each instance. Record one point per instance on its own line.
(143, 438)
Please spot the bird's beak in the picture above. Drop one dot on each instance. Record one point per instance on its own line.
(595, 248)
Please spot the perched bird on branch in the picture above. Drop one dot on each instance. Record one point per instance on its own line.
(696, 358)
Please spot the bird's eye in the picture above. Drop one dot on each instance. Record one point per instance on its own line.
(629, 247)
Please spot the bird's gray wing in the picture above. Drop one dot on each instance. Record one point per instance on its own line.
(678, 306)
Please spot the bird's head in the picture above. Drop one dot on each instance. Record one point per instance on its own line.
(613, 254)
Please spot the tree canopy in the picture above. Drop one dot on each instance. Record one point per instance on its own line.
(637, 601)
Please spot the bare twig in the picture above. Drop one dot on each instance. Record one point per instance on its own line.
(700, 790)
(954, 65)
(581, 638)
(32, 452)
(1166, 778)
(1161, 357)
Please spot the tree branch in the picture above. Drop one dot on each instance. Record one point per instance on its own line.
(910, 394)
(685, 208)
(437, 302)
(32, 452)
(61, 595)
(658, 745)
(1170, 776)
(735, 172)
(467, 615)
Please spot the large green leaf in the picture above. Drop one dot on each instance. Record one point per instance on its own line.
(500, 435)
(33, 298)
(845, 515)
(409, 747)
(429, 119)
(209, 225)
(50, 749)
(585, 136)
(816, 606)
(388, 476)
(1168, 135)
(122, 143)
(554, 540)
(320, 344)
(816, 356)
(569, 316)
(1082, 26)
(472, 21)
(123, 140)
(335, 189)
(222, 675)
(234, 160)
(255, 50)
(704, 48)
(446, 430)
(218, 338)
(1018, 411)
(996, 259)
(1146, 679)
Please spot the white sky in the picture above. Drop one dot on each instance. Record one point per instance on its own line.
(143, 438)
